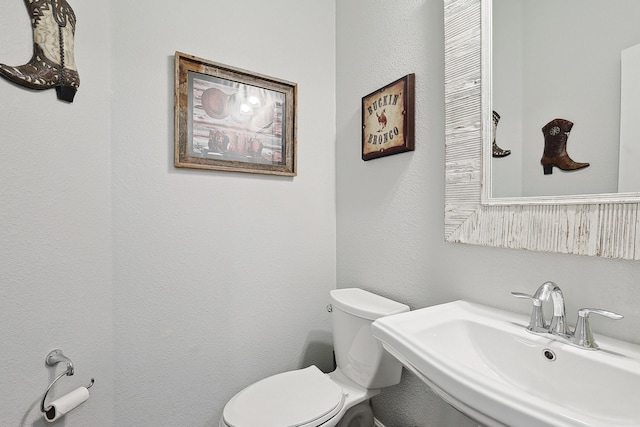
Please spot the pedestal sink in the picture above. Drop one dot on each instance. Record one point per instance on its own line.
(486, 364)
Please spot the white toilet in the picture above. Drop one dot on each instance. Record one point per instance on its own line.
(309, 398)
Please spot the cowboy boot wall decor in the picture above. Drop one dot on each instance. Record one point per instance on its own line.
(53, 63)
(497, 151)
(556, 133)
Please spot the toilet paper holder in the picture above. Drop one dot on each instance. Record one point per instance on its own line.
(53, 358)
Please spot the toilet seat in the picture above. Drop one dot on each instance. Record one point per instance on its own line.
(302, 398)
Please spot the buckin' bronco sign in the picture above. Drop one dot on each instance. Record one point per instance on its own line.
(388, 119)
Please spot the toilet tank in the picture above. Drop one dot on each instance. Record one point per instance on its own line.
(358, 354)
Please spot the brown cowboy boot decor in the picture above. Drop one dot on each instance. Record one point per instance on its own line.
(53, 63)
(556, 133)
(497, 151)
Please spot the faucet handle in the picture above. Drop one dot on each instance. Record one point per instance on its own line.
(582, 337)
(536, 301)
(536, 323)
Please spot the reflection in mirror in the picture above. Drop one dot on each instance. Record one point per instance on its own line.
(573, 60)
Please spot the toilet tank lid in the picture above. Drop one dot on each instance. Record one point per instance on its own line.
(367, 305)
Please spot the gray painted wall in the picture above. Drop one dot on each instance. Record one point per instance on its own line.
(173, 288)
(220, 278)
(391, 210)
(55, 227)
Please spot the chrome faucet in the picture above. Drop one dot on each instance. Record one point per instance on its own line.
(581, 337)
(558, 323)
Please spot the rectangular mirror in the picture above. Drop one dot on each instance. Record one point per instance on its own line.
(603, 224)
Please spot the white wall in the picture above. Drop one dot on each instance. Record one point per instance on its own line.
(55, 226)
(220, 279)
(390, 211)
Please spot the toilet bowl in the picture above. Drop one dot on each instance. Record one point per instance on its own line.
(310, 398)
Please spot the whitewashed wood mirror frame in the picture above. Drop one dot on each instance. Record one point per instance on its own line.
(605, 225)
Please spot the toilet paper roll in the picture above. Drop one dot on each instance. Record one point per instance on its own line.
(66, 403)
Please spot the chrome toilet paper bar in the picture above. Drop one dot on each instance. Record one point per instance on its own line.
(53, 358)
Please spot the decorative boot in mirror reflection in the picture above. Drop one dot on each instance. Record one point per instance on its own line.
(556, 133)
(53, 63)
(497, 151)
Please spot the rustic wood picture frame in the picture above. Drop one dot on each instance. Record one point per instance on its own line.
(230, 119)
(388, 119)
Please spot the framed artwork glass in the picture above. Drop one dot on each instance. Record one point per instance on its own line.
(231, 119)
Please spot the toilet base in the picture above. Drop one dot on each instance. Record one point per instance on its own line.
(360, 415)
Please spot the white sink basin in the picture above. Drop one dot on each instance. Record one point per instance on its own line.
(483, 362)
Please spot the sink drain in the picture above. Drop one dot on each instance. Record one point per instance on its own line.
(549, 354)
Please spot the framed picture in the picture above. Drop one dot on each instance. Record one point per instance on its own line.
(233, 120)
(388, 119)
